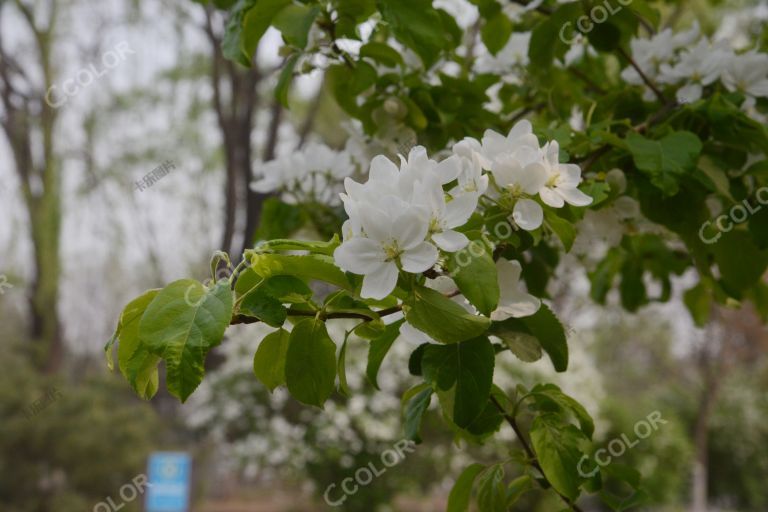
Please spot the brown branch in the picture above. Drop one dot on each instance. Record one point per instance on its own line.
(588, 81)
(242, 319)
(621, 51)
(529, 452)
(541, 9)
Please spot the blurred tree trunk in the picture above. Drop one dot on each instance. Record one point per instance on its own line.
(235, 100)
(29, 124)
(699, 494)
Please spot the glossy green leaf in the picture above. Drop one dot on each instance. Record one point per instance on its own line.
(269, 360)
(474, 272)
(557, 450)
(137, 364)
(464, 369)
(310, 365)
(414, 412)
(378, 350)
(441, 318)
(461, 493)
(181, 324)
(294, 22)
(309, 266)
(665, 160)
(495, 33)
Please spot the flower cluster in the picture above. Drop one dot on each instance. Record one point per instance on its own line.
(402, 216)
(692, 62)
(522, 170)
(313, 174)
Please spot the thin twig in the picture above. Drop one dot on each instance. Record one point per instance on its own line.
(621, 51)
(242, 319)
(529, 452)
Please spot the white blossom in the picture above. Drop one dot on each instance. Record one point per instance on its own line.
(513, 302)
(562, 181)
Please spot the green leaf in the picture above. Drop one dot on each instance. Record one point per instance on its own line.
(699, 300)
(305, 266)
(605, 37)
(517, 488)
(260, 304)
(269, 360)
(551, 392)
(441, 318)
(294, 22)
(546, 41)
(378, 350)
(545, 327)
(414, 412)
(557, 450)
(465, 370)
(382, 53)
(564, 230)
(284, 82)
(417, 25)
(341, 367)
(666, 160)
(458, 500)
(181, 324)
(495, 33)
(740, 260)
(310, 365)
(232, 43)
(137, 364)
(256, 21)
(278, 220)
(474, 272)
(491, 495)
(523, 344)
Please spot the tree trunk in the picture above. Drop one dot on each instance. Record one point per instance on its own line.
(700, 477)
(40, 183)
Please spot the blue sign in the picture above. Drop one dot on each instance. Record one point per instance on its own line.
(168, 489)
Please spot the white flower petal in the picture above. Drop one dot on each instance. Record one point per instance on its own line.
(450, 241)
(533, 178)
(410, 227)
(522, 304)
(380, 283)
(551, 198)
(359, 255)
(419, 258)
(449, 169)
(376, 224)
(459, 210)
(383, 169)
(528, 214)
(574, 196)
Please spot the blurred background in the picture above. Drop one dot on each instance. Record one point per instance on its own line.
(127, 147)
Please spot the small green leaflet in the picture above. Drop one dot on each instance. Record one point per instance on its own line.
(137, 365)
(458, 500)
(465, 370)
(269, 359)
(378, 350)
